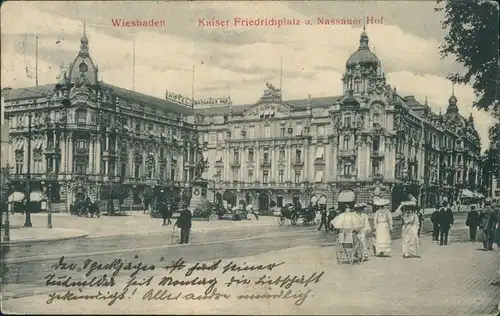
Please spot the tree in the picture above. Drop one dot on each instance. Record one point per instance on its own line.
(473, 40)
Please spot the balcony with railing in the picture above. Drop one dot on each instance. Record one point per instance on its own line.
(235, 163)
(266, 164)
(377, 154)
(298, 163)
(347, 152)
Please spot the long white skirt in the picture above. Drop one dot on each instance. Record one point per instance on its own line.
(383, 238)
(411, 242)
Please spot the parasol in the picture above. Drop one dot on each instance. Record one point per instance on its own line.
(348, 220)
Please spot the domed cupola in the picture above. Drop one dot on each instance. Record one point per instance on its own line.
(82, 70)
(363, 56)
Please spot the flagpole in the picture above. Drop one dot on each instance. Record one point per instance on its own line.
(133, 67)
(36, 63)
(281, 77)
(192, 90)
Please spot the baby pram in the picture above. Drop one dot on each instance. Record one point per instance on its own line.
(349, 246)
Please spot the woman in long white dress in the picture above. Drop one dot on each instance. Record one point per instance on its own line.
(360, 210)
(383, 227)
(411, 242)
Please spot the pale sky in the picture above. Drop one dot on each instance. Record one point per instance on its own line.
(235, 61)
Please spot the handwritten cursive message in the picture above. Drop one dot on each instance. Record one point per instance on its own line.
(121, 280)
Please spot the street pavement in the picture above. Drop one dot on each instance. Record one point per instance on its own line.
(136, 223)
(22, 235)
(458, 279)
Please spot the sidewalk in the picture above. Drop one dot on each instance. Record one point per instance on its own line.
(136, 223)
(22, 235)
(450, 280)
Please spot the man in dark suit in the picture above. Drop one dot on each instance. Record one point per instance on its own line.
(184, 223)
(445, 220)
(324, 217)
(472, 222)
(435, 224)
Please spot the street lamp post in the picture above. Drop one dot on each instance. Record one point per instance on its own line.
(6, 237)
(49, 208)
(27, 222)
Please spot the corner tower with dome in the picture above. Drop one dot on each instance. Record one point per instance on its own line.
(92, 139)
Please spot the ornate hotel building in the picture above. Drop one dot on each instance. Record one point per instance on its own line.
(84, 138)
(370, 141)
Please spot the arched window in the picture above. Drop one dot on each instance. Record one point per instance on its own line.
(376, 118)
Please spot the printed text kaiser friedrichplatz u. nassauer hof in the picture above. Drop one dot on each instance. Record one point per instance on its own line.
(245, 22)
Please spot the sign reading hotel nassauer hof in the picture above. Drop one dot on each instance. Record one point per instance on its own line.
(299, 197)
(175, 97)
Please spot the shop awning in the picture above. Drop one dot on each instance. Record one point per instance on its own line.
(16, 197)
(36, 196)
(346, 196)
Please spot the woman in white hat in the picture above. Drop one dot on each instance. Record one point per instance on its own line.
(383, 227)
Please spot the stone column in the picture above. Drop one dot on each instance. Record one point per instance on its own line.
(25, 157)
(90, 166)
(305, 160)
(334, 161)
(98, 153)
(70, 154)
(290, 172)
(62, 165)
(368, 156)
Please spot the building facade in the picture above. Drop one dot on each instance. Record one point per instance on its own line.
(84, 138)
(368, 142)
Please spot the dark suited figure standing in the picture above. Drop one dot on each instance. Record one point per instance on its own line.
(331, 215)
(445, 220)
(435, 224)
(324, 217)
(472, 222)
(184, 223)
(164, 209)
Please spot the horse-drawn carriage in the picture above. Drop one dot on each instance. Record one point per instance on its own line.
(85, 209)
(293, 213)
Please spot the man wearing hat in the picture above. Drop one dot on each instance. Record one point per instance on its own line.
(472, 222)
(445, 221)
(184, 223)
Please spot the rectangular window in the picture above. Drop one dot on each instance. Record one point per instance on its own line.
(250, 176)
(283, 131)
(281, 155)
(265, 176)
(266, 156)
(81, 117)
(346, 142)
(375, 166)
(235, 175)
(279, 201)
(298, 155)
(318, 178)
(251, 132)
(319, 153)
(347, 170)
(250, 155)
(137, 170)
(297, 176)
(218, 176)
(236, 155)
(347, 121)
(267, 131)
(281, 176)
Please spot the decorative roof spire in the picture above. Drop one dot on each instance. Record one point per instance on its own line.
(452, 101)
(363, 39)
(471, 118)
(84, 42)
